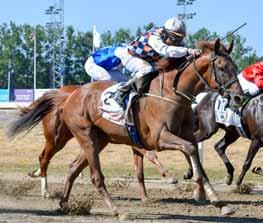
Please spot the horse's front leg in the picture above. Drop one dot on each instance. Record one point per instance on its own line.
(169, 141)
(138, 163)
(221, 146)
(152, 157)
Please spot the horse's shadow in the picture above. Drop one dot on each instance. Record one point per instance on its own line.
(33, 212)
(187, 201)
(141, 216)
(207, 202)
(190, 218)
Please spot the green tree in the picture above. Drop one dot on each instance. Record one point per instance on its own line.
(122, 36)
(17, 46)
(201, 34)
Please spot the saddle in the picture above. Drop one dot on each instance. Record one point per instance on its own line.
(124, 116)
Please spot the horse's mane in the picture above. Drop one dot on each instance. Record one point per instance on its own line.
(208, 46)
(167, 64)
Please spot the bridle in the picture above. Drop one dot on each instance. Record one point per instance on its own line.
(221, 87)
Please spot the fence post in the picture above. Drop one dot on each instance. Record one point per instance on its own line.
(201, 151)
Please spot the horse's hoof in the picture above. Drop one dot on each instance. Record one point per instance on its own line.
(238, 185)
(144, 199)
(229, 179)
(123, 216)
(63, 204)
(199, 196)
(46, 195)
(148, 201)
(33, 174)
(225, 210)
(115, 212)
(188, 175)
(171, 180)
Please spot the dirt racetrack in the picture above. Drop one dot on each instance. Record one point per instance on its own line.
(20, 199)
(20, 202)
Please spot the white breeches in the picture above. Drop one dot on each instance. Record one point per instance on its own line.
(136, 65)
(248, 86)
(99, 73)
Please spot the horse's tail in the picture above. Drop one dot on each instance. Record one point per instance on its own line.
(30, 116)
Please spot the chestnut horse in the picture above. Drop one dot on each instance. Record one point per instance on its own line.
(251, 117)
(163, 117)
(57, 135)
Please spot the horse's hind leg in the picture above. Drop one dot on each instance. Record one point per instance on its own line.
(55, 141)
(75, 169)
(77, 166)
(221, 146)
(49, 151)
(253, 149)
(91, 141)
(152, 157)
(189, 173)
(88, 143)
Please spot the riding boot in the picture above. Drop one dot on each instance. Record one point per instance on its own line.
(143, 81)
(124, 90)
(138, 82)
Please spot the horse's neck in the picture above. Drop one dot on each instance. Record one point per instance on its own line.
(188, 82)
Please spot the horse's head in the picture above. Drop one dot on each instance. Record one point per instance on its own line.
(221, 73)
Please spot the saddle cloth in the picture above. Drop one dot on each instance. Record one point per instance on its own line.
(227, 116)
(109, 108)
(113, 112)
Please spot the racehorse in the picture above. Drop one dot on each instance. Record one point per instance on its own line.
(251, 117)
(163, 117)
(57, 135)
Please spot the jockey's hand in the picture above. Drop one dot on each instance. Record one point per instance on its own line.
(194, 52)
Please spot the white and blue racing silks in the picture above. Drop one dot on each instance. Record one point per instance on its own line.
(106, 58)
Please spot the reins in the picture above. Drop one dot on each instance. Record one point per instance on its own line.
(189, 97)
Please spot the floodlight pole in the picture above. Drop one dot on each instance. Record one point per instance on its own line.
(9, 78)
(184, 16)
(35, 67)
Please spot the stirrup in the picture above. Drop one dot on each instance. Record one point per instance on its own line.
(117, 97)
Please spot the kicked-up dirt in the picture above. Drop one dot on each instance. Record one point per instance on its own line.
(20, 201)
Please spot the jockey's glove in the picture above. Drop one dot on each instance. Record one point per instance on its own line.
(194, 52)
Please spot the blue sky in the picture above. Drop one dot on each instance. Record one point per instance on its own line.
(217, 15)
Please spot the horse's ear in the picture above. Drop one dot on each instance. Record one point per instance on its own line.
(217, 46)
(230, 47)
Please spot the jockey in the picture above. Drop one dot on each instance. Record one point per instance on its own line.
(139, 56)
(251, 79)
(104, 65)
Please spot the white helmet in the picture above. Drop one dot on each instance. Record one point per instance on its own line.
(176, 26)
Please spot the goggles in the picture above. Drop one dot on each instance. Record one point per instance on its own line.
(175, 39)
